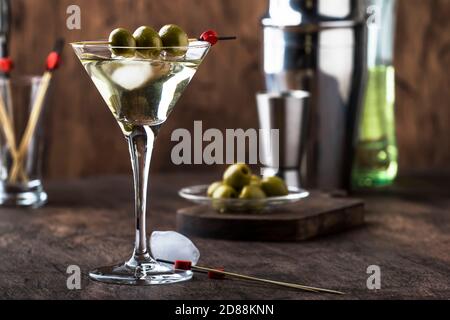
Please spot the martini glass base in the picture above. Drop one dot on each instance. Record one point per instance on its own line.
(142, 273)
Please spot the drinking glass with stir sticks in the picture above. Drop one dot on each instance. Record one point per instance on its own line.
(22, 102)
(26, 188)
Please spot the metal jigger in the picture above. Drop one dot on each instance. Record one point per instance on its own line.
(287, 112)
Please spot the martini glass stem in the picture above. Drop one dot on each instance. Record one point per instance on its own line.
(140, 143)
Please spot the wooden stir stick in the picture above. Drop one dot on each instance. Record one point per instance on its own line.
(8, 131)
(6, 63)
(6, 66)
(7, 128)
(53, 61)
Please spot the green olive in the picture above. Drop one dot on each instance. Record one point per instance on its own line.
(252, 192)
(274, 187)
(256, 196)
(224, 192)
(213, 187)
(147, 37)
(173, 36)
(121, 37)
(237, 176)
(255, 180)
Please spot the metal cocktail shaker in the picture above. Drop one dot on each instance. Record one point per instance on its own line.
(288, 113)
(319, 46)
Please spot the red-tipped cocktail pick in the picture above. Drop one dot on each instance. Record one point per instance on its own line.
(51, 64)
(212, 37)
(6, 65)
(214, 274)
(183, 265)
(187, 265)
(54, 58)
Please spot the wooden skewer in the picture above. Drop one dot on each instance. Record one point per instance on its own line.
(279, 283)
(52, 63)
(218, 38)
(7, 112)
(8, 131)
(227, 38)
(92, 42)
(235, 275)
(31, 126)
(22, 172)
(9, 101)
(190, 39)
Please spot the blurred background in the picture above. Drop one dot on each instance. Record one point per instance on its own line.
(83, 139)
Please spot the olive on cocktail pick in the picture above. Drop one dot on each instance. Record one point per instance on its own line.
(173, 36)
(147, 37)
(121, 37)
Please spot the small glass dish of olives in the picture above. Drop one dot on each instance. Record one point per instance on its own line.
(240, 191)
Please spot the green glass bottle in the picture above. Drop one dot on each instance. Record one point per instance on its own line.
(376, 158)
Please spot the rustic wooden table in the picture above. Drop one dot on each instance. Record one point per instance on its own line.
(89, 223)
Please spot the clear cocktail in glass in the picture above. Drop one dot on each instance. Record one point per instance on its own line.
(141, 92)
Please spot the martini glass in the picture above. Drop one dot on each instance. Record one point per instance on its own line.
(141, 92)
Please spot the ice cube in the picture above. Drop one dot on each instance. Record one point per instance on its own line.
(172, 246)
(131, 74)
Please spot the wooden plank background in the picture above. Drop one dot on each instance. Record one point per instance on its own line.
(83, 138)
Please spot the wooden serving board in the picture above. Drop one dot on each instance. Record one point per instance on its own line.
(317, 215)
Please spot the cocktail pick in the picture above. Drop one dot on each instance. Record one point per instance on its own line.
(8, 130)
(219, 273)
(5, 29)
(212, 37)
(6, 66)
(6, 63)
(52, 63)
